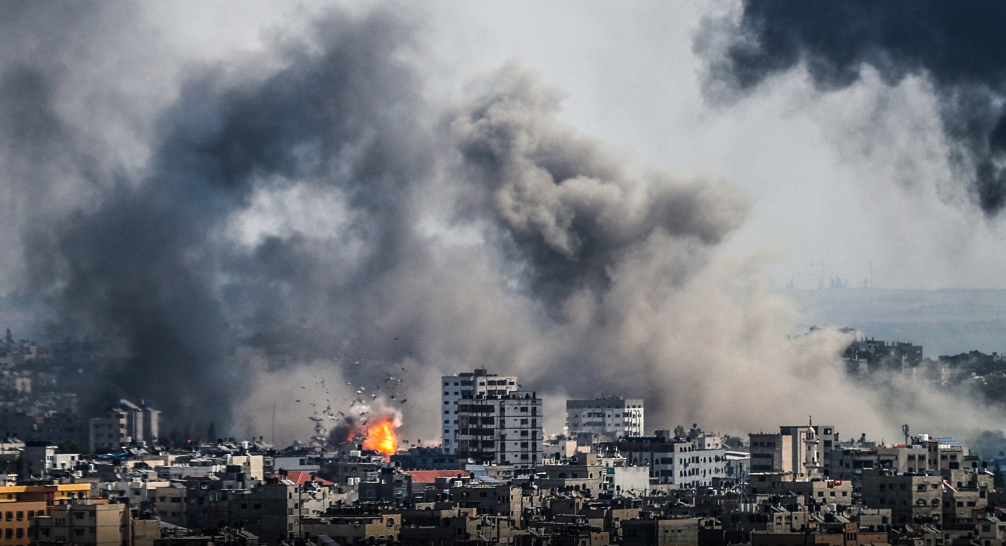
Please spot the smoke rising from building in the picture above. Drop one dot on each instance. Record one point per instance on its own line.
(248, 226)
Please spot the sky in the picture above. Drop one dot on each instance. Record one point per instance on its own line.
(250, 197)
(853, 180)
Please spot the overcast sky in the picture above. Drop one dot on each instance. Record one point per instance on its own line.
(852, 178)
(855, 179)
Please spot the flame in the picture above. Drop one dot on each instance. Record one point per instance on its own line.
(381, 438)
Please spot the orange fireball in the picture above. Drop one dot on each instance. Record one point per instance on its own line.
(381, 438)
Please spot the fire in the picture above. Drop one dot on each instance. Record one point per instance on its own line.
(381, 438)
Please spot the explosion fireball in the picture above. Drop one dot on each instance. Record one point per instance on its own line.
(381, 438)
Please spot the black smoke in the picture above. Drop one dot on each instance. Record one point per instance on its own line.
(958, 47)
(141, 259)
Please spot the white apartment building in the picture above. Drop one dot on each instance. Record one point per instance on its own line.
(468, 386)
(501, 429)
(687, 462)
(606, 418)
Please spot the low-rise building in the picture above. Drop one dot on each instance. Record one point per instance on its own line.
(911, 498)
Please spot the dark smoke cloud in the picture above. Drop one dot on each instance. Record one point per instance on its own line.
(569, 209)
(287, 229)
(958, 47)
(143, 262)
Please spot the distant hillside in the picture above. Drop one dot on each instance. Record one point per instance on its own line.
(942, 321)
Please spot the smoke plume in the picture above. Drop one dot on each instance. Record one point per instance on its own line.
(958, 49)
(305, 226)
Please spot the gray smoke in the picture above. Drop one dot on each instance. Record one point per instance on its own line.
(143, 261)
(958, 48)
(304, 226)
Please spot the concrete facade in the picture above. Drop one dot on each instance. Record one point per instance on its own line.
(607, 418)
(464, 386)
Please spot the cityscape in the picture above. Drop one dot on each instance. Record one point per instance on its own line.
(566, 273)
(611, 476)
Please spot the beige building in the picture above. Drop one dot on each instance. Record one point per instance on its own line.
(802, 450)
(15, 521)
(910, 497)
(836, 534)
(253, 466)
(819, 492)
(94, 524)
(650, 532)
(383, 528)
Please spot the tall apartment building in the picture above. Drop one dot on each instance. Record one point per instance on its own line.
(802, 450)
(605, 418)
(501, 429)
(468, 386)
(126, 423)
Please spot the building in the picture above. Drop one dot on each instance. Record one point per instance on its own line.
(501, 429)
(37, 459)
(369, 529)
(51, 495)
(652, 532)
(838, 533)
(912, 498)
(687, 462)
(943, 453)
(126, 423)
(848, 462)
(425, 458)
(605, 418)
(467, 386)
(94, 524)
(15, 521)
(812, 492)
(802, 450)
